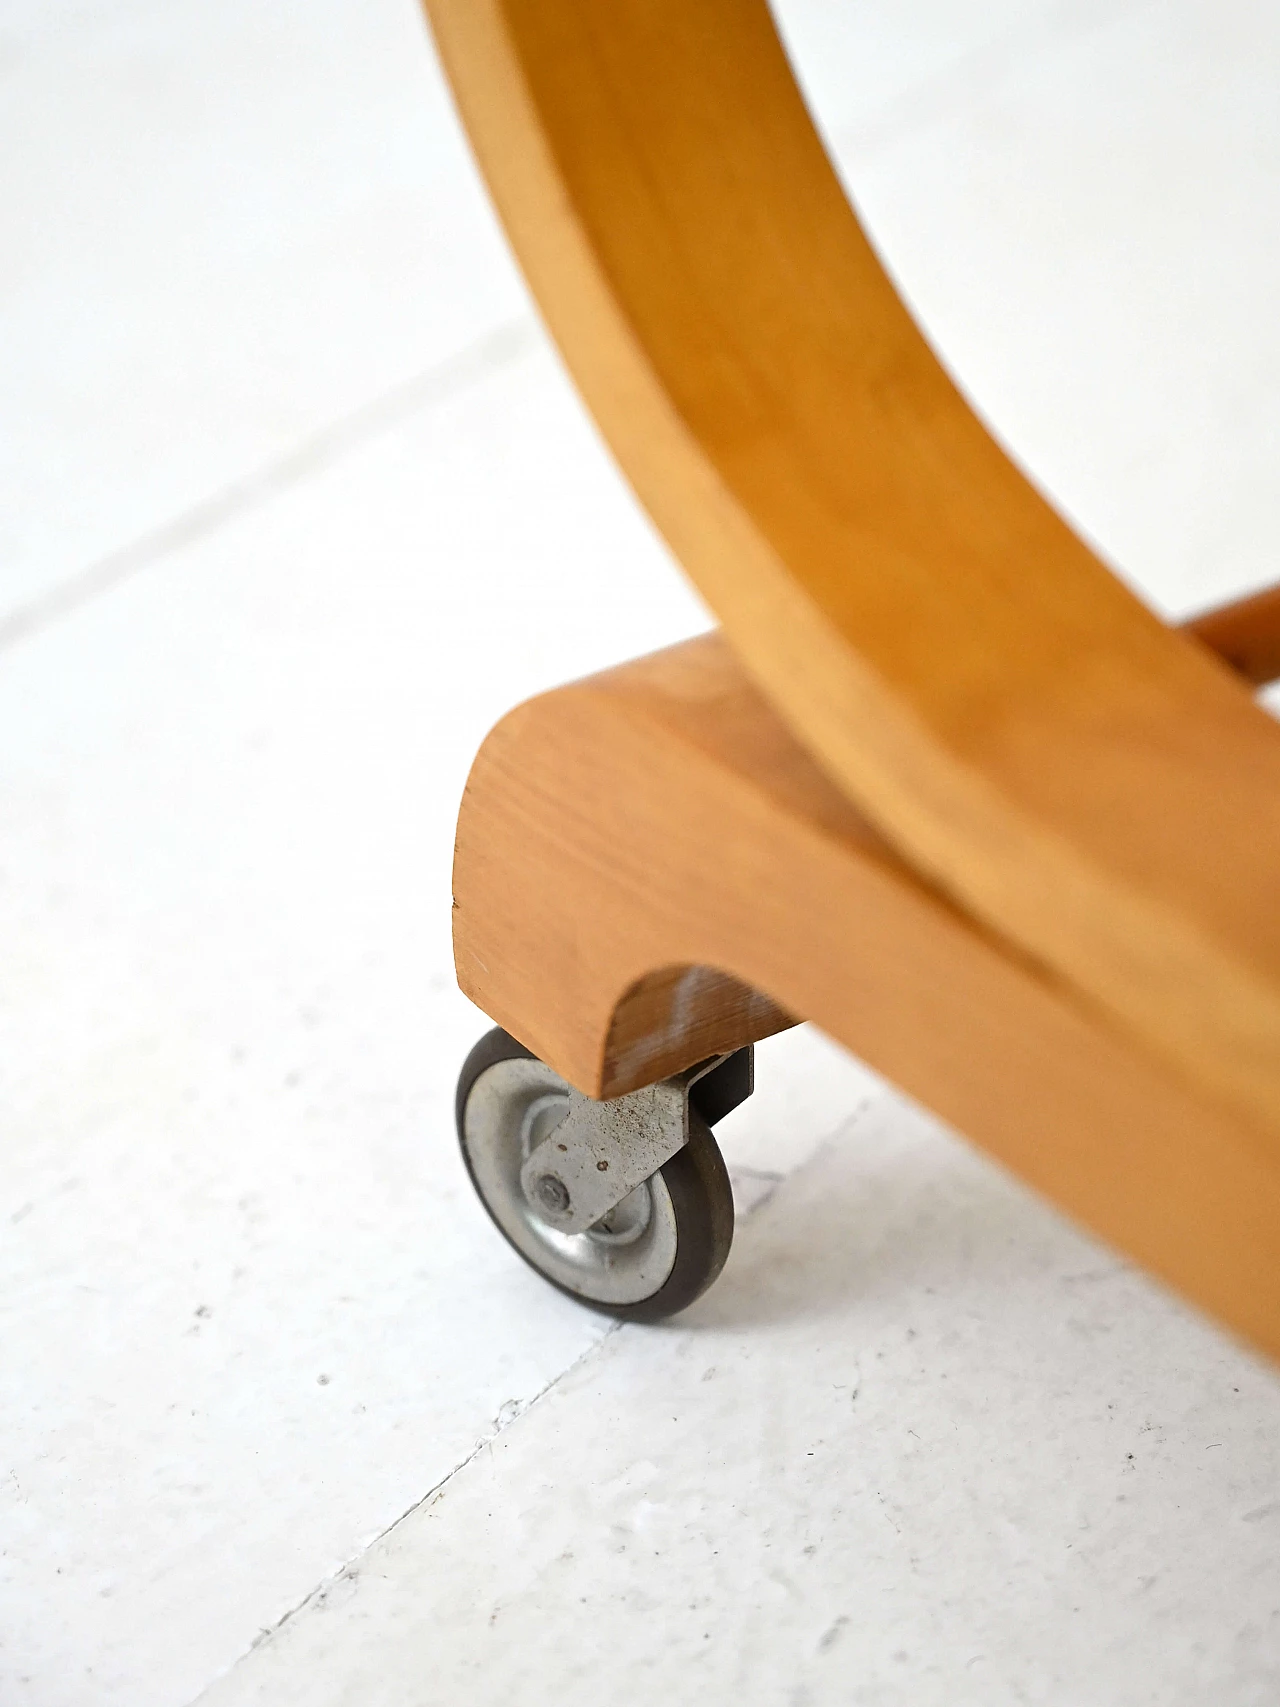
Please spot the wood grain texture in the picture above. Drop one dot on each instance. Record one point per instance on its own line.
(675, 1016)
(661, 818)
(1092, 786)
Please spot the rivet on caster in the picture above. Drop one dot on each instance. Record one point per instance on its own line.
(624, 1204)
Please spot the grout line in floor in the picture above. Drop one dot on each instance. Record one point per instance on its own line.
(501, 1423)
(443, 380)
(506, 1417)
(843, 1129)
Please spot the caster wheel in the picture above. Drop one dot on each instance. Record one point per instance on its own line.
(654, 1252)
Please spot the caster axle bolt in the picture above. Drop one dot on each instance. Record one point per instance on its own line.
(553, 1194)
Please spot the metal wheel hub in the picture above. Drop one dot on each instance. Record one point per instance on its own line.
(625, 1255)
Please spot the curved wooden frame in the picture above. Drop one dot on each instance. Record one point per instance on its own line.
(649, 870)
(1026, 734)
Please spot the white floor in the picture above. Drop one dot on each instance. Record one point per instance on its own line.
(296, 502)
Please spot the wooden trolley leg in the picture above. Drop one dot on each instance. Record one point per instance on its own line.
(649, 871)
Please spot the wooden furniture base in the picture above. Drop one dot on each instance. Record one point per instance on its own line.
(1075, 953)
(965, 668)
(650, 870)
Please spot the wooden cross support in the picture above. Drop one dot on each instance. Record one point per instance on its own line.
(942, 784)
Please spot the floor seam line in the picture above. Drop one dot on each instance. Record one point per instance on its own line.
(328, 444)
(268, 1632)
(862, 1107)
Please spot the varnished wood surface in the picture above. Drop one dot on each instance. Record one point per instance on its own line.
(674, 1016)
(1090, 785)
(658, 829)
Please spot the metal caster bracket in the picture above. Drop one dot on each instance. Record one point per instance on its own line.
(601, 1151)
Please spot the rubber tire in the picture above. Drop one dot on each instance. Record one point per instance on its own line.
(696, 1180)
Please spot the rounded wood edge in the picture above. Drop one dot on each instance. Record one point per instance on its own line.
(659, 817)
(676, 1016)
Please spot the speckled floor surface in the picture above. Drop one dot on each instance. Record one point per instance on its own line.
(295, 503)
